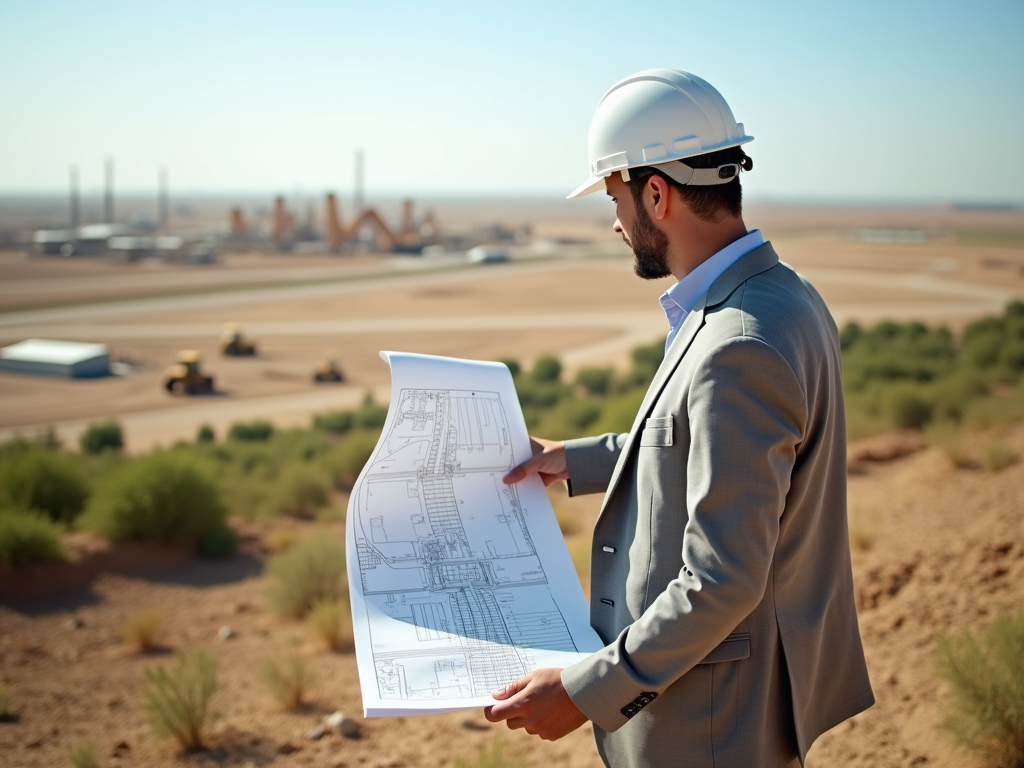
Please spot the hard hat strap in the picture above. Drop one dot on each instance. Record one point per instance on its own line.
(683, 174)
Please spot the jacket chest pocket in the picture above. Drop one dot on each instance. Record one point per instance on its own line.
(657, 433)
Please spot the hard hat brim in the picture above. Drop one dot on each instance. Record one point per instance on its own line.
(591, 185)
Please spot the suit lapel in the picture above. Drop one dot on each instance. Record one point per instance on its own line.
(758, 260)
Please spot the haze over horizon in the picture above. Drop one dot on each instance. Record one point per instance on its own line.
(900, 103)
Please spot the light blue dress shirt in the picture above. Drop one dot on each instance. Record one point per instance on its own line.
(679, 300)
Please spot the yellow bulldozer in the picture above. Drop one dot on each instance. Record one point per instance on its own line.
(234, 343)
(327, 370)
(185, 376)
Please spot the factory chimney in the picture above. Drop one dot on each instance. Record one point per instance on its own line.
(74, 198)
(163, 203)
(407, 216)
(238, 228)
(108, 196)
(357, 202)
(335, 235)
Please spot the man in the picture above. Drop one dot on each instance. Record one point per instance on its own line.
(721, 578)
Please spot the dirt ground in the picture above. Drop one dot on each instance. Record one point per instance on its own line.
(944, 550)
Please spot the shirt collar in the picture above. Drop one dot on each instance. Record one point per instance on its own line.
(682, 297)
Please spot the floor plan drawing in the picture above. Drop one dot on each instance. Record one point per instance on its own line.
(452, 596)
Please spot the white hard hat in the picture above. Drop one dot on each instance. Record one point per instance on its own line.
(657, 117)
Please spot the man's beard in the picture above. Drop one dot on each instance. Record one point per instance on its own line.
(650, 246)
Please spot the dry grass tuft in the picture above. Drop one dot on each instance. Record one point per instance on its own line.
(288, 678)
(494, 757)
(140, 630)
(279, 540)
(331, 622)
(178, 701)
(948, 437)
(997, 455)
(6, 703)
(863, 524)
(84, 756)
(985, 714)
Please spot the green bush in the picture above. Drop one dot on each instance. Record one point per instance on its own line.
(513, 367)
(83, 756)
(178, 702)
(997, 455)
(162, 496)
(28, 537)
(35, 478)
(102, 437)
(371, 416)
(646, 361)
(619, 413)
(985, 712)
(301, 490)
(597, 381)
(219, 543)
(337, 422)
(251, 432)
(907, 407)
(205, 434)
(546, 369)
(349, 457)
(309, 571)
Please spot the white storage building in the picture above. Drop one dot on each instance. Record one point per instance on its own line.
(70, 359)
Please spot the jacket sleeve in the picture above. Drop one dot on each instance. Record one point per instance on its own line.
(747, 413)
(591, 461)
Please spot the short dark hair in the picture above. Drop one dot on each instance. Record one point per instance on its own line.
(706, 203)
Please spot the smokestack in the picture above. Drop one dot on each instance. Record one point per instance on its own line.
(335, 236)
(358, 199)
(237, 223)
(280, 220)
(108, 197)
(407, 215)
(162, 201)
(74, 197)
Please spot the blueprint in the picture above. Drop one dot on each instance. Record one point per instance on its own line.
(460, 584)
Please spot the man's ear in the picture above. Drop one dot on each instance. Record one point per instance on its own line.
(659, 191)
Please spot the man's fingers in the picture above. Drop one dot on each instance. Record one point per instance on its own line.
(528, 467)
(511, 689)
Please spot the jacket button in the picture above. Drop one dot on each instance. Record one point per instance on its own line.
(606, 601)
(609, 550)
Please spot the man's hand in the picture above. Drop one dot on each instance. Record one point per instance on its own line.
(548, 461)
(538, 703)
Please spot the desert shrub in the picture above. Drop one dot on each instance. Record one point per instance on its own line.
(162, 496)
(336, 422)
(893, 352)
(205, 434)
(646, 361)
(288, 677)
(35, 478)
(597, 381)
(985, 712)
(300, 490)
(997, 455)
(495, 756)
(83, 756)
(349, 457)
(547, 368)
(28, 537)
(906, 406)
(513, 366)
(140, 630)
(278, 540)
(948, 437)
(251, 431)
(178, 701)
(106, 436)
(6, 703)
(618, 413)
(371, 416)
(311, 570)
(539, 394)
(331, 622)
(219, 543)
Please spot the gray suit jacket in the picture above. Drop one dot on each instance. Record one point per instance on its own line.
(721, 578)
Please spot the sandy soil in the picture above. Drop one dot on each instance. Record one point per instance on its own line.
(945, 551)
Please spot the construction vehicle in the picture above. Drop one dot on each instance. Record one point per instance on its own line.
(234, 343)
(327, 370)
(185, 376)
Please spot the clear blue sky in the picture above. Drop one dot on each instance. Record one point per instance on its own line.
(896, 101)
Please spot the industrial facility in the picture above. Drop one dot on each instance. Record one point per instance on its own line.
(66, 359)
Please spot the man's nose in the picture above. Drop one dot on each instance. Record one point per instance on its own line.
(617, 227)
